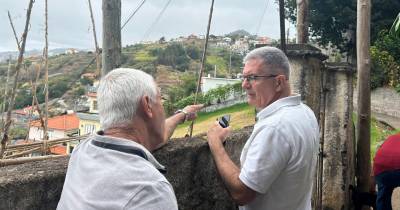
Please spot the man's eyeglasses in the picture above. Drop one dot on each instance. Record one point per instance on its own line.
(251, 78)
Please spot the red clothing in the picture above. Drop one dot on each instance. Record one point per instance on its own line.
(387, 157)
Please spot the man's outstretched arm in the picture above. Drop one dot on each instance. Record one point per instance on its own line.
(189, 113)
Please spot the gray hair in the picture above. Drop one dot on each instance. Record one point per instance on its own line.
(273, 58)
(119, 95)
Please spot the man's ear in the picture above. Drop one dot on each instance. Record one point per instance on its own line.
(146, 106)
(278, 83)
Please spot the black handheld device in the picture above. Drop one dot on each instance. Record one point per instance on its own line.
(224, 120)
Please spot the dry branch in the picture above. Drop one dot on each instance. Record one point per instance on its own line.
(16, 161)
(13, 28)
(95, 41)
(4, 140)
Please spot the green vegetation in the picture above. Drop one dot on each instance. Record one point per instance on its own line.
(379, 132)
(385, 55)
(242, 115)
(65, 69)
(211, 97)
(203, 116)
(330, 20)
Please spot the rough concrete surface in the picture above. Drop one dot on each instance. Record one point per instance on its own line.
(190, 169)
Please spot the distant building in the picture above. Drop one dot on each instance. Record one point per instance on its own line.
(227, 39)
(22, 115)
(62, 126)
(92, 99)
(209, 83)
(89, 75)
(88, 123)
(241, 46)
(179, 39)
(71, 51)
(192, 37)
(263, 40)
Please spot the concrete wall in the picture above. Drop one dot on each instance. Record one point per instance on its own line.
(190, 167)
(384, 101)
(338, 142)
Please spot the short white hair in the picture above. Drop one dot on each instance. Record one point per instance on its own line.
(119, 95)
(273, 58)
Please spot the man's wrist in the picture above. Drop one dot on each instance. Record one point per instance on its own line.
(183, 112)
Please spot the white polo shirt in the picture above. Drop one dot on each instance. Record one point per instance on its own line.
(278, 160)
(102, 178)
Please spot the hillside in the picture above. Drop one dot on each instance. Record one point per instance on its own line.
(174, 65)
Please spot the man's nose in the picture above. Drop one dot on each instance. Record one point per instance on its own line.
(245, 84)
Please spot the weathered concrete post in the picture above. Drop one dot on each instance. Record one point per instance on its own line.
(111, 35)
(338, 135)
(306, 73)
(306, 80)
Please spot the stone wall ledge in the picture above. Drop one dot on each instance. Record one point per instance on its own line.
(190, 169)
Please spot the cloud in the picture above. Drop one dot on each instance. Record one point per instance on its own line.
(69, 21)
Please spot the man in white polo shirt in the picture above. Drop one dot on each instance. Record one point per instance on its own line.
(114, 168)
(279, 158)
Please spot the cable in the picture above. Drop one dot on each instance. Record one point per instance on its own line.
(155, 22)
(262, 18)
(133, 13)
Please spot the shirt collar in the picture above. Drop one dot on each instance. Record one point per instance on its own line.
(276, 105)
(133, 144)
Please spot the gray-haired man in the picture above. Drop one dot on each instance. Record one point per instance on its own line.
(114, 169)
(278, 160)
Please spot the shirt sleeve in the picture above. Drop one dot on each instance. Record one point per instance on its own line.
(154, 196)
(267, 156)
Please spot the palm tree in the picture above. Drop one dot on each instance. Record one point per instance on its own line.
(395, 30)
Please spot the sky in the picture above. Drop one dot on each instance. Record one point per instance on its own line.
(70, 25)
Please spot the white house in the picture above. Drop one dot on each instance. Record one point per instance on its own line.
(209, 83)
(58, 127)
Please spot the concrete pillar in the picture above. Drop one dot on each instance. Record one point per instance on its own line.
(338, 136)
(306, 73)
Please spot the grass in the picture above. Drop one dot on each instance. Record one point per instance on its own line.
(143, 56)
(379, 133)
(242, 115)
(219, 61)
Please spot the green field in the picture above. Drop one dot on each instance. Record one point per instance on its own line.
(243, 115)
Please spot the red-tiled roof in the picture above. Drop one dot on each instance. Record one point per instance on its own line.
(62, 122)
(58, 150)
(20, 111)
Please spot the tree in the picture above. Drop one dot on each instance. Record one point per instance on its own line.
(331, 21)
(385, 56)
(395, 30)
(173, 55)
(193, 52)
(162, 40)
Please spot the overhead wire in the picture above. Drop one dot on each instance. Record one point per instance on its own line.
(156, 21)
(133, 13)
(126, 22)
(262, 18)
